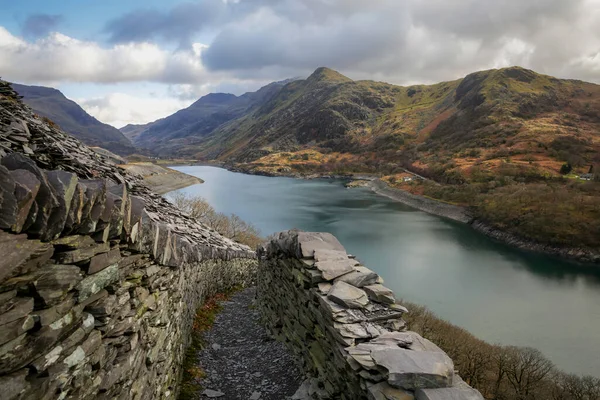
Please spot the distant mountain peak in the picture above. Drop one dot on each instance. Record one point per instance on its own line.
(324, 74)
(216, 98)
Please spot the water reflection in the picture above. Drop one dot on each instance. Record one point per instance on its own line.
(498, 293)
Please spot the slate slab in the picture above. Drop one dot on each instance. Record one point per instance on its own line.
(310, 241)
(448, 394)
(347, 295)
(380, 293)
(45, 200)
(21, 255)
(411, 370)
(8, 201)
(63, 183)
(27, 187)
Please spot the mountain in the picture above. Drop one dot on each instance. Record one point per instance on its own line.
(316, 112)
(515, 147)
(486, 116)
(132, 131)
(487, 112)
(52, 104)
(177, 132)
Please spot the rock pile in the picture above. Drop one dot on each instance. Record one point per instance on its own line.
(99, 277)
(346, 327)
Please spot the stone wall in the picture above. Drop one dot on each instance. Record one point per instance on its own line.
(99, 277)
(346, 327)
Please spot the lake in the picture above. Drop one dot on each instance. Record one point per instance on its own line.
(501, 295)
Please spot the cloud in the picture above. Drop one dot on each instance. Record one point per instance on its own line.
(120, 109)
(399, 41)
(38, 25)
(60, 58)
(178, 24)
(252, 42)
(411, 40)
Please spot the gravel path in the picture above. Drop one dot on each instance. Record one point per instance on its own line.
(241, 361)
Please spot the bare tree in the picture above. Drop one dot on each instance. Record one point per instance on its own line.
(232, 226)
(526, 370)
(196, 207)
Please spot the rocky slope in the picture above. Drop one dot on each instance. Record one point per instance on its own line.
(71, 118)
(161, 179)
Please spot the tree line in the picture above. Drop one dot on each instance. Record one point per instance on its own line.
(501, 372)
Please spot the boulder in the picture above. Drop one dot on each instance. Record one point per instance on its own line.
(411, 370)
(94, 201)
(76, 209)
(334, 268)
(347, 295)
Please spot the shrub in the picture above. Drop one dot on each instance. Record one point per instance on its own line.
(231, 226)
(566, 169)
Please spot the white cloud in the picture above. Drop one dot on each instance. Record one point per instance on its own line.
(120, 109)
(410, 40)
(254, 42)
(60, 58)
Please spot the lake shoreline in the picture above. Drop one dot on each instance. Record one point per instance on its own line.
(585, 257)
(462, 215)
(428, 258)
(159, 178)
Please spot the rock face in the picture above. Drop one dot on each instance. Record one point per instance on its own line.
(99, 277)
(346, 327)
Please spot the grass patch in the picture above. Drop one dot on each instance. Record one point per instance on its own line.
(203, 321)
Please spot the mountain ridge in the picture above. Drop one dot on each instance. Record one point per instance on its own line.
(53, 104)
(516, 147)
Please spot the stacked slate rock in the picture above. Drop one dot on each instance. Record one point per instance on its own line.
(52, 149)
(99, 277)
(346, 327)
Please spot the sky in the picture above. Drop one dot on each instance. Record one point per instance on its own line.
(136, 61)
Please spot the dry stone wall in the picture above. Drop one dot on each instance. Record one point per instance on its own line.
(346, 327)
(99, 277)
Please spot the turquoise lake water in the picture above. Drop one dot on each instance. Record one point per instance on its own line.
(499, 294)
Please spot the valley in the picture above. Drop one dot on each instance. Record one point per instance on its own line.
(519, 150)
